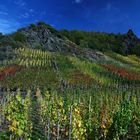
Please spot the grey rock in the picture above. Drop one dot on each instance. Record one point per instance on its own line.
(44, 38)
(130, 40)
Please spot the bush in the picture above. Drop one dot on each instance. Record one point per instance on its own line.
(33, 26)
(19, 37)
(136, 49)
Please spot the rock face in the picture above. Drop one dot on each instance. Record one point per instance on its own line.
(41, 37)
(130, 40)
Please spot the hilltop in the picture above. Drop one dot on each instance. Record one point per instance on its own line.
(45, 37)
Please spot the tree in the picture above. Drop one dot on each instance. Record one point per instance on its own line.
(136, 49)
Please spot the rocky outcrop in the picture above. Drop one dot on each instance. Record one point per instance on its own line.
(130, 40)
(42, 37)
(39, 36)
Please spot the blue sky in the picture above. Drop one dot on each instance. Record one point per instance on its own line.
(96, 15)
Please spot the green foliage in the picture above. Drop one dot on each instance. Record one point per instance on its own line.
(16, 116)
(83, 44)
(42, 115)
(9, 41)
(18, 36)
(122, 120)
(136, 49)
(6, 52)
(33, 26)
(95, 40)
(39, 47)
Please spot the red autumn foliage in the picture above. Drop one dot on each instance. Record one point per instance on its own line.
(10, 70)
(77, 77)
(122, 72)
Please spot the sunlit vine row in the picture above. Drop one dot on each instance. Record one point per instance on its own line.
(33, 53)
(44, 115)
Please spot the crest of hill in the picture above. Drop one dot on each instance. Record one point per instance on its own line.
(123, 44)
(45, 37)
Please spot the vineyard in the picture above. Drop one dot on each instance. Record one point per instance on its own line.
(48, 95)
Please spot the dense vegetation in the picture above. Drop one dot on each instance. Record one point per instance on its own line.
(94, 114)
(48, 95)
(105, 42)
(97, 41)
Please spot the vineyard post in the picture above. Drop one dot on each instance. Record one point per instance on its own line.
(11, 137)
(58, 125)
(48, 137)
(1, 108)
(89, 108)
(70, 128)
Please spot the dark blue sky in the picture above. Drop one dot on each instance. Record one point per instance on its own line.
(96, 15)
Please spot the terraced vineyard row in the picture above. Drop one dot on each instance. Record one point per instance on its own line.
(93, 115)
(29, 57)
(50, 96)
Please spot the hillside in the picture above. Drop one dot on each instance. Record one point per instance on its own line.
(124, 44)
(52, 87)
(41, 46)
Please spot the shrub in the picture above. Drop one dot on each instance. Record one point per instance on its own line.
(19, 37)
